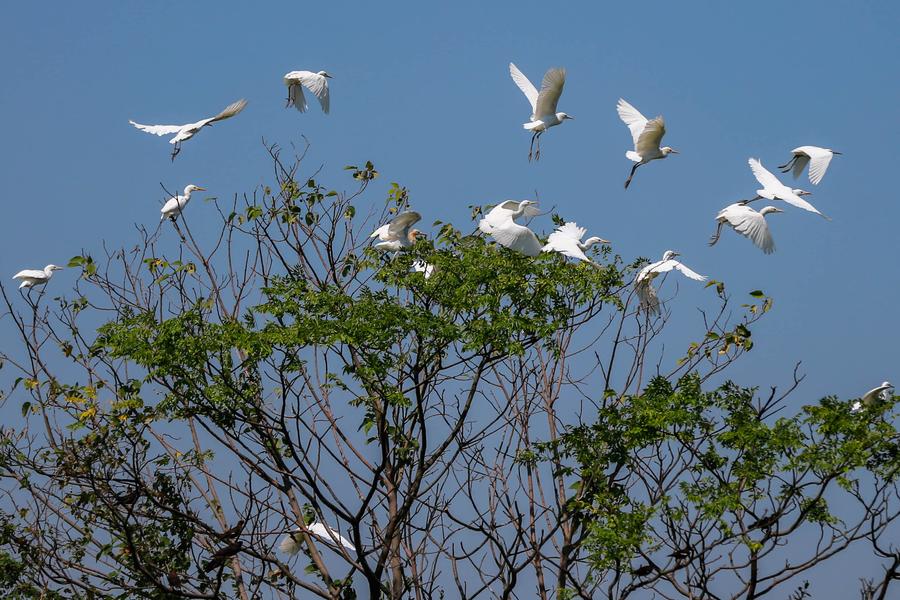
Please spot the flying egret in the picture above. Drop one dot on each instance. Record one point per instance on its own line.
(567, 241)
(174, 205)
(186, 132)
(748, 223)
(643, 283)
(879, 394)
(500, 223)
(646, 135)
(500, 213)
(817, 159)
(543, 104)
(33, 277)
(420, 266)
(775, 190)
(317, 83)
(397, 235)
(290, 544)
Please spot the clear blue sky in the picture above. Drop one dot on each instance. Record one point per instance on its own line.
(423, 91)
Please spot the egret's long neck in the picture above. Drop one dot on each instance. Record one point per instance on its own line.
(48, 272)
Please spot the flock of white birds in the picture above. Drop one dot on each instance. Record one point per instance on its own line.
(501, 222)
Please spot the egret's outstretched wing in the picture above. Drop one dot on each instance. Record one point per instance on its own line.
(525, 85)
(551, 90)
(751, 225)
(801, 159)
(650, 138)
(517, 237)
(763, 176)
(402, 222)
(688, 272)
(795, 200)
(329, 535)
(158, 129)
(633, 118)
(649, 301)
(571, 230)
(296, 98)
(565, 245)
(819, 159)
(668, 265)
(230, 110)
(315, 83)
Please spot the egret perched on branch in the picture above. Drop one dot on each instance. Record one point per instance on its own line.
(646, 136)
(817, 159)
(500, 224)
(543, 104)
(174, 205)
(33, 277)
(317, 83)
(643, 283)
(748, 223)
(567, 241)
(186, 132)
(775, 190)
(397, 234)
(879, 394)
(290, 544)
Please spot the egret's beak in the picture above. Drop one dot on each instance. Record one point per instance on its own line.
(328, 76)
(570, 117)
(200, 189)
(674, 151)
(836, 152)
(602, 241)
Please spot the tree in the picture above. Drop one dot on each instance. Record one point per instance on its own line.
(493, 430)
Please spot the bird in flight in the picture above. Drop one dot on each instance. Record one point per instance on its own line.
(817, 158)
(317, 83)
(878, 394)
(773, 189)
(500, 224)
(646, 134)
(543, 104)
(747, 222)
(186, 132)
(397, 235)
(643, 283)
(567, 241)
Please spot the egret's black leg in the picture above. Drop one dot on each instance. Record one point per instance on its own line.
(787, 166)
(715, 236)
(531, 148)
(630, 175)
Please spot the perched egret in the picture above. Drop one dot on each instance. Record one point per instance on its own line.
(543, 104)
(420, 266)
(646, 135)
(174, 205)
(186, 132)
(500, 213)
(817, 159)
(501, 225)
(290, 544)
(567, 241)
(748, 223)
(775, 190)
(33, 277)
(643, 283)
(879, 394)
(397, 234)
(317, 83)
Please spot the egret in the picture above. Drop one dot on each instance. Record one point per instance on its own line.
(186, 132)
(775, 190)
(646, 136)
(501, 225)
(420, 266)
(33, 277)
(397, 234)
(317, 83)
(567, 241)
(174, 205)
(500, 213)
(817, 159)
(643, 283)
(879, 394)
(543, 104)
(748, 223)
(290, 544)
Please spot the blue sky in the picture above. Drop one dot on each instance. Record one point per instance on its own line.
(423, 91)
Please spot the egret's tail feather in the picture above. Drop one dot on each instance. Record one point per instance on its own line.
(632, 155)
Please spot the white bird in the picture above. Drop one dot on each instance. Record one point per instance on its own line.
(420, 266)
(317, 83)
(397, 235)
(646, 136)
(817, 159)
(879, 394)
(748, 223)
(543, 104)
(33, 277)
(290, 544)
(174, 205)
(500, 224)
(643, 283)
(186, 132)
(773, 189)
(567, 241)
